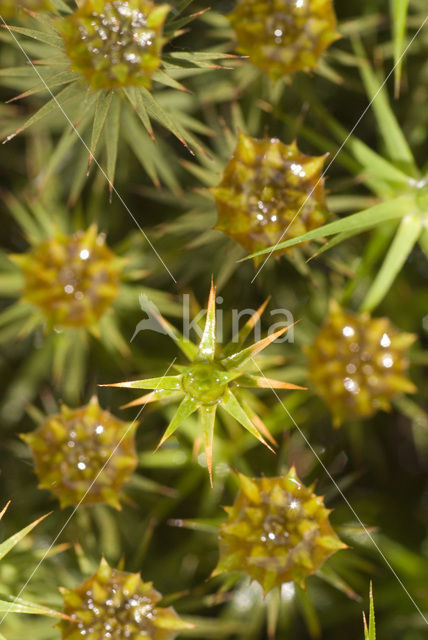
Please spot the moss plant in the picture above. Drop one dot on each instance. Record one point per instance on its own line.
(73, 279)
(358, 363)
(269, 191)
(284, 36)
(277, 531)
(279, 149)
(115, 44)
(105, 65)
(117, 604)
(84, 455)
(67, 287)
(211, 380)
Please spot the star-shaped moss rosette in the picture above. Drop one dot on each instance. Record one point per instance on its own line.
(269, 191)
(84, 455)
(72, 279)
(117, 605)
(277, 531)
(105, 66)
(284, 36)
(212, 379)
(358, 363)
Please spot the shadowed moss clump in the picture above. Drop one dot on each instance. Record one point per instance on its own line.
(115, 44)
(284, 36)
(358, 363)
(277, 531)
(84, 455)
(269, 191)
(73, 279)
(116, 605)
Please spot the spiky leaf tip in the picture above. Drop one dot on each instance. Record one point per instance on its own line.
(72, 279)
(115, 43)
(358, 363)
(284, 36)
(84, 455)
(116, 604)
(277, 531)
(270, 191)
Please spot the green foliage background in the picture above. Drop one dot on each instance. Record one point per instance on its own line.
(167, 527)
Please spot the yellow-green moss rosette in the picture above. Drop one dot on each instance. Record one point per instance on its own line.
(284, 36)
(84, 455)
(115, 43)
(117, 605)
(72, 279)
(358, 363)
(270, 191)
(277, 531)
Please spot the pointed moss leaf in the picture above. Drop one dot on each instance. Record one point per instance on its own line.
(180, 7)
(65, 95)
(52, 80)
(136, 100)
(309, 613)
(102, 107)
(376, 165)
(14, 313)
(399, 14)
(111, 335)
(201, 59)
(352, 224)
(164, 382)
(341, 237)
(372, 623)
(62, 148)
(208, 341)
(29, 224)
(245, 330)
(401, 247)
(393, 138)
(50, 38)
(8, 544)
(231, 404)
(330, 576)
(158, 112)
(238, 359)
(173, 623)
(165, 79)
(74, 373)
(189, 349)
(21, 606)
(187, 406)
(111, 130)
(423, 241)
(370, 630)
(142, 145)
(207, 418)
(62, 6)
(80, 174)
